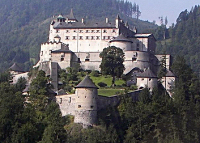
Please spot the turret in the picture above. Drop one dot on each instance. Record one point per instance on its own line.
(86, 106)
(60, 18)
(57, 38)
(117, 21)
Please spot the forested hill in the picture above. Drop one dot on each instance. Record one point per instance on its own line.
(24, 24)
(183, 38)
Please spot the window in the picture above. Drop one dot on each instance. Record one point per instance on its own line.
(74, 37)
(104, 37)
(67, 38)
(87, 60)
(92, 31)
(50, 52)
(41, 53)
(138, 44)
(74, 30)
(81, 37)
(67, 31)
(92, 37)
(113, 31)
(104, 31)
(134, 59)
(79, 106)
(87, 31)
(62, 59)
(108, 37)
(98, 31)
(60, 100)
(80, 31)
(79, 60)
(91, 106)
(142, 78)
(87, 37)
(98, 38)
(149, 79)
(57, 31)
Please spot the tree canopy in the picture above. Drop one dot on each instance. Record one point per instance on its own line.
(112, 62)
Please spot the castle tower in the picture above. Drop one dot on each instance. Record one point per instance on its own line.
(86, 106)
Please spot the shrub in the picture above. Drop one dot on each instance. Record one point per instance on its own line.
(95, 73)
(102, 84)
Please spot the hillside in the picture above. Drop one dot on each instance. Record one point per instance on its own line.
(183, 38)
(24, 24)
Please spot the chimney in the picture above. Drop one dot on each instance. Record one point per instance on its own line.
(82, 20)
(106, 20)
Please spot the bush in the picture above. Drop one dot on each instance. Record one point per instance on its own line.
(95, 73)
(102, 84)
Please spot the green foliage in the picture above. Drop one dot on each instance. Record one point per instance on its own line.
(112, 62)
(94, 73)
(184, 38)
(102, 84)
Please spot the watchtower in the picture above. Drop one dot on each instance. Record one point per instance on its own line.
(86, 104)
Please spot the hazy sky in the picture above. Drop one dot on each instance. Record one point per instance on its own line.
(152, 9)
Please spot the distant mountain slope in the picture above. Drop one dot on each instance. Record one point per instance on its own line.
(24, 24)
(184, 38)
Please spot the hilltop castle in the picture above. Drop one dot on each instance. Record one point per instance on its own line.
(72, 41)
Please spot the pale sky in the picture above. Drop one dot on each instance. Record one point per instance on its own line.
(152, 9)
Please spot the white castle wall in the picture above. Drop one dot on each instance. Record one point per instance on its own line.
(136, 59)
(16, 77)
(46, 48)
(85, 40)
(66, 104)
(147, 82)
(125, 46)
(63, 59)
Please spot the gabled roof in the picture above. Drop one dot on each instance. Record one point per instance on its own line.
(121, 38)
(86, 83)
(16, 68)
(170, 74)
(147, 74)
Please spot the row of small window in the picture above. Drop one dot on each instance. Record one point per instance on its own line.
(88, 38)
(88, 31)
(79, 106)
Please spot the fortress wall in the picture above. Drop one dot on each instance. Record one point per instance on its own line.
(63, 59)
(147, 82)
(87, 118)
(103, 101)
(46, 48)
(141, 56)
(17, 76)
(143, 44)
(136, 59)
(66, 104)
(125, 46)
(168, 60)
(45, 67)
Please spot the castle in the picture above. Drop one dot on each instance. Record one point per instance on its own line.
(72, 41)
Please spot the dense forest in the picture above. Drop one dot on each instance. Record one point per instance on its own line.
(155, 117)
(182, 38)
(24, 24)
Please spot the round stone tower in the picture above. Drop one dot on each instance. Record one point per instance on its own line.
(86, 106)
